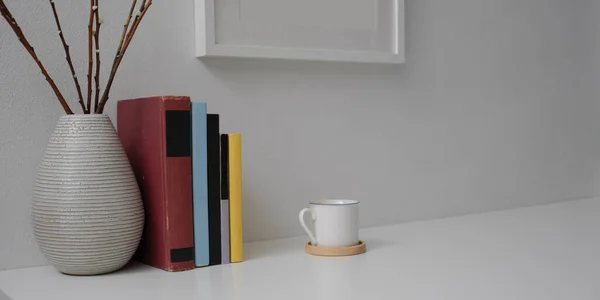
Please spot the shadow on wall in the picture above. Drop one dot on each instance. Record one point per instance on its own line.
(330, 75)
(3, 296)
(287, 93)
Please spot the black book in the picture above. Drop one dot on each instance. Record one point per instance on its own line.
(214, 188)
(225, 247)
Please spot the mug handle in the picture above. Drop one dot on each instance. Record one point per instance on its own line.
(313, 240)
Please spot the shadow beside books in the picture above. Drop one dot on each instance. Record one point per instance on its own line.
(293, 246)
(274, 248)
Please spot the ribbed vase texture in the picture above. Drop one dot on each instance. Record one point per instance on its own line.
(87, 212)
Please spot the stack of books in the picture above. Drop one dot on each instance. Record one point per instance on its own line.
(190, 177)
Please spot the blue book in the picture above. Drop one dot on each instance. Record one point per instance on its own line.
(200, 184)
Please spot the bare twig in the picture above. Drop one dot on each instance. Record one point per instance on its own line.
(7, 15)
(90, 57)
(125, 27)
(97, 42)
(140, 15)
(68, 56)
(137, 16)
(120, 47)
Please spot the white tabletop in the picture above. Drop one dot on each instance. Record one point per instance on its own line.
(546, 252)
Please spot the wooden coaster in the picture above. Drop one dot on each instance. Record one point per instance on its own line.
(336, 251)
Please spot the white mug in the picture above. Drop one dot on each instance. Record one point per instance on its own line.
(335, 222)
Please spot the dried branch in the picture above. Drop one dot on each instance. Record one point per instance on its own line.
(120, 47)
(90, 57)
(138, 19)
(137, 16)
(125, 27)
(7, 15)
(119, 57)
(97, 42)
(68, 56)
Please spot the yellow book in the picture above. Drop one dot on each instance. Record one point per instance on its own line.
(235, 197)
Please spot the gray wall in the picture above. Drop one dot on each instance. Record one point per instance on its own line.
(589, 23)
(489, 112)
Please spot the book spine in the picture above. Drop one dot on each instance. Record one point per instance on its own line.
(155, 133)
(178, 185)
(214, 188)
(225, 253)
(200, 184)
(235, 197)
(139, 125)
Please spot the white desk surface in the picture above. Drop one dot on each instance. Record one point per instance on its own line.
(538, 253)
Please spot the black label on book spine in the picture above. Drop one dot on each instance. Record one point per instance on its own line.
(182, 254)
(178, 133)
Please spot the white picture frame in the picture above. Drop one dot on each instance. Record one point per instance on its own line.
(207, 44)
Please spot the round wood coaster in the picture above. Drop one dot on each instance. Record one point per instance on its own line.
(336, 251)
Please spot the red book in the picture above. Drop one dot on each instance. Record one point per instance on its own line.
(156, 135)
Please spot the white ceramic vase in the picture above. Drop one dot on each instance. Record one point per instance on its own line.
(87, 212)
